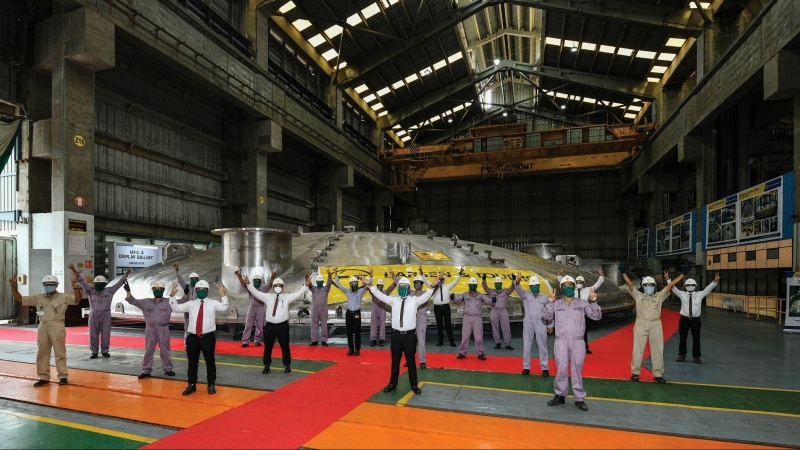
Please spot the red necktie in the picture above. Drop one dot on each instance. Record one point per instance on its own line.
(199, 328)
(275, 308)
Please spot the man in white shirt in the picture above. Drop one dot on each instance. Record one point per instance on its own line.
(201, 335)
(404, 323)
(582, 292)
(277, 325)
(441, 309)
(691, 302)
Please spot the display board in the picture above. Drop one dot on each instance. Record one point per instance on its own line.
(132, 256)
(639, 244)
(676, 236)
(760, 213)
(791, 324)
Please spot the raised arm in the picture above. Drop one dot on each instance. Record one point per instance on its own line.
(336, 281)
(296, 294)
(376, 293)
(181, 281)
(600, 280)
(115, 287)
(674, 282)
(592, 309)
(484, 284)
(449, 286)
(133, 300)
(222, 305)
(711, 285)
(178, 307)
(458, 299)
(81, 282)
(262, 296)
(625, 277)
(517, 283)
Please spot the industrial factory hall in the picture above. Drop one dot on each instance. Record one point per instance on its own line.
(399, 224)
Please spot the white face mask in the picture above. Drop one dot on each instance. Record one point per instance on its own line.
(579, 286)
(278, 289)
(690, 288)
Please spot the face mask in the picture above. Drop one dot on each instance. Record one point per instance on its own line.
(257, 283)
(49, 289)
(353, 287)
(158, 293)
(278, 289)
(379, 286)
(569, 291)
(202, 294)
(99, 286)
(193, 281)
(498, 286)
(403, 291)
(473, 287)
(535, 289)
(418, 285)
(649, 290)
(579, 286)
(690, 288)
(319, 283)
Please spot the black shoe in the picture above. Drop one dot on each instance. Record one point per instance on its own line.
(170, 373)
(373, 343)
(258, 344)
(545, 373)
(416, 390)
(245, 344)
(452, 344)
(288, 369)
(634, 377)
(106, 355)
(422, 366)
(381, 343)
(526, 371)
(324, 344)
(351, 353)
(63, 381)
(582, 406)
(439, 344)
(482, 357)
(40, 383)
(681, 358)
(358, 352)
(588, 352)
(460, 356)
(312, 344)
(266, 370)
(189, 389)
(94, 356)
(389, 388)
(496, 346)
(142, 376)
(509, 347)
(661, 380)
(557, 400)
(405, 364)
(696, 360)
(212, 389)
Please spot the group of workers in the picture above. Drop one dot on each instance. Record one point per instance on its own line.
(268, 313)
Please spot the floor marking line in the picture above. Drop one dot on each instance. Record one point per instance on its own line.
(687, 383)
(80, 426)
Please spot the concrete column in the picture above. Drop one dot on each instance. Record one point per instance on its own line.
(334, 101)
(262, 39)
(743, 144)
(254, 140)
(329, 209)
(382, 200)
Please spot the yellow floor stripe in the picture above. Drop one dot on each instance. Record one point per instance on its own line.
(686, 383)
(80, 426)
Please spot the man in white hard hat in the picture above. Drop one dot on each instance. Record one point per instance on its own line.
(156, 312)
(352, 317)
(691, 303)
(648, 324)
(50, 309)
(377, 325)
(533, 326)
(100, 296)
(189, 295)
(499, 314)
(277, 326)
(569, 313)
(319, 309)
(256, 311)
(404, 322)
(581, 291)
(202, 332)
(441, 309)
(472, 322)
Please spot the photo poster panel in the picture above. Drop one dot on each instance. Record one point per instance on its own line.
(676, 236)
(639, 244)
(791, 324)
(758, 214)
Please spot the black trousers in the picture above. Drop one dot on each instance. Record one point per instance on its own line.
(352, 322)
(206, 344)
(280, 331)
(684, 326)
(404, 343)
(442, 313)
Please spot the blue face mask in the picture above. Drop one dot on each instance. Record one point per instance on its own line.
(649, 290)
(569, 291)
(49, 289)
(403, 291)
(535, 289)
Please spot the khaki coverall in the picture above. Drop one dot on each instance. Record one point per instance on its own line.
(648, 326)
(52, 333)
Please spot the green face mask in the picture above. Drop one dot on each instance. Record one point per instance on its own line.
(99, 286)
(535, 289)
(257, 283)
(403, 291)
(569, 291)
(158, 293)
(473, 287)
(193, 281)
(202, 294)
(319, 283)
(498, 286)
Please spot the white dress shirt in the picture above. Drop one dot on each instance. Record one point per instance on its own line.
(695, 297)
(584, 292)
(442, 296)
(282, 311)
(409, 310)
(193, 308)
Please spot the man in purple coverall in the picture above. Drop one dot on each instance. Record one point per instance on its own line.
(156, 312)
(256, 311)
(499, 316)
(570, 349)
(534, 303)
(377, 325)
(319, 308)
(472, 323)
(100, 314)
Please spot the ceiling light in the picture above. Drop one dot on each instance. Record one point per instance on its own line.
(454, 57)
(342, 65)
(574, 48)
(396, 127)
(497, 61)
(564, 106)
(439, 65)
(693, 5)
(588, 46)
(505, 113)
(398, 84)
(635, 108)
(377, 106)
(401, 132)
(426, 71)
(450, 120)
(412, 77)
(371, 10)
(458, 108)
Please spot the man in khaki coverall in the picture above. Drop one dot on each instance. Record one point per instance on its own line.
(50, 307)
(648, 324)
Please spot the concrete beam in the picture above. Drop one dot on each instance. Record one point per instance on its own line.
(690, 149)
(781, 80)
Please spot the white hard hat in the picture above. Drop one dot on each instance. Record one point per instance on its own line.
(419, 278)
(567, 279)
(580, 279)
(158, 284)
(380, 281)
(257, 277)
(100, 279)
(194, 275)
(473, 280)
(533, 280)
(319, 277)
(202, 284)
(353, 278)
(404, 281)
(498, 280)
(277, 281)
(690, 281)
(648, 280)
(49, 279)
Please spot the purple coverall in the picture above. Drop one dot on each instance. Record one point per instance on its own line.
(499, 315)
(191, 296)
(472, 323)
(319, 310)
(256, 313)
(533, 326)
(377, 324)
(156, 318)
(570, 349)
(100, 312)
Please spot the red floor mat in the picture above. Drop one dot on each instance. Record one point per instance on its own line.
(290, 416)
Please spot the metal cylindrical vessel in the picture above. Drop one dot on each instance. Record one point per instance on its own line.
(257, 251)
(544, 251)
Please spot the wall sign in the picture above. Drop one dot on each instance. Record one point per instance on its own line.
(79, 140)
(676, 236)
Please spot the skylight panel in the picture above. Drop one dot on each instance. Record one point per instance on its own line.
(552, 41)
(316, 40)
(439, 64)
(666, 56)
(396, 127)
(675, 42)
(354, 20)
(588, 46)
(653, 80)
(371, 10)
(570, 44)
(398, 85)
(426, 71)
(401, 132)
(369, 98)
(411, 78)
(624, 51)
(287, 7)
(635, 108)
(658, 69)
(330, 54)
(405, 138)
(361, 89)
(454, 57)
(301, 24)
(377, 106)
(342, 65)
(615, 104)
(383, 92)
(693, 5)
(607, 49)
(333, 31)
(644, 54)
(561, 95)
(588, 100)
(383, 113)
(458, 108)
(629, 116)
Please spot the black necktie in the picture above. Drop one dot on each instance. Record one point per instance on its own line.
(275, 308)
(402, 308)
(691, 298)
